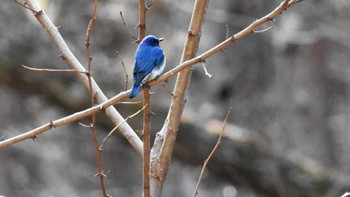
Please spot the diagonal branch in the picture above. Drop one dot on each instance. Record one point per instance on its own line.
(116, 99)
(72, 61)
(126, 27)
(212, 153)
(116, 127)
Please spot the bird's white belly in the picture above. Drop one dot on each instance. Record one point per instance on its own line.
(157, 71)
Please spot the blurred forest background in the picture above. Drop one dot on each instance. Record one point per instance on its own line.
(289, 87)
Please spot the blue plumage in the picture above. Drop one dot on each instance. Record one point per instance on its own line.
(149, 62)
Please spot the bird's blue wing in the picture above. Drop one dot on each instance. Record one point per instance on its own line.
(145, 61)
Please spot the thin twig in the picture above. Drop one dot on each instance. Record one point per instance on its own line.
(263, 30)
(146, 141)
(2, 137)
(227, 31)
(167, 89)
(206, 71)
(116, 127)
(86, 125)
(52, 70)
(126, 27)
(130, 102)
(151, 3)
(212, 153)
(125, 72)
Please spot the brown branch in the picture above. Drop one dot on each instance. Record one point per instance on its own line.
(116, 127)
(122, 95)
(72, 61)
(142, 20)
(126, 27)
(146, 141)
(52, 70)
(125, 72)
(52, 124)
(212, 153)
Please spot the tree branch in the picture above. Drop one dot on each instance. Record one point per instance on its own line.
(68, 119)
(116, 99)
(51, 70)
(72, 61)
(212, 153)
(116, 127)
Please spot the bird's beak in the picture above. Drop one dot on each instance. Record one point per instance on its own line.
(161, 39)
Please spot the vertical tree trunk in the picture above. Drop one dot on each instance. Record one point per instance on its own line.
(165, 140)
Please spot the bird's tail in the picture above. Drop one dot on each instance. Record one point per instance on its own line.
(135, 90)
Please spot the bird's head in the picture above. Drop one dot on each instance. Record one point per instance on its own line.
(151, 41)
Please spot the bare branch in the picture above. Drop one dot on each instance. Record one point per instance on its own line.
(86, 125)
(116, 127)
(227, 31)
(126, 27)
(167, 89)
(106, 103)
(263, 30)
(72, 61)
(212, 153)
(206, 71)
(125, 72)
(130, 102)
(52, 124)
(2, 137)
(52, 70)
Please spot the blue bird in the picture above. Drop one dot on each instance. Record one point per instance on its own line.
(149, 62)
